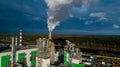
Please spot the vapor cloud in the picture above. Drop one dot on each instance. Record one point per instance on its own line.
(59, 10)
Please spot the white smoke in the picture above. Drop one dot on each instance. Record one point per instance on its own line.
(59, 10)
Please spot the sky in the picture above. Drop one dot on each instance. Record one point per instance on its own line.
(100, 18)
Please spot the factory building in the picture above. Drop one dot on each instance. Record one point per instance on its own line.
(25, 57)
(41, 55)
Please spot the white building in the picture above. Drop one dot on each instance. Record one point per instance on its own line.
(26, 57)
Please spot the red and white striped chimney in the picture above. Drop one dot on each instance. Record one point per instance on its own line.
(20, 38)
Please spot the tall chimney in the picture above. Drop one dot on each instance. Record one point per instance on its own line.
(50, 35)
(20, 38)
(51, 44)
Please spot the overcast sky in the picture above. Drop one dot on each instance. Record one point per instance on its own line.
(101, 18)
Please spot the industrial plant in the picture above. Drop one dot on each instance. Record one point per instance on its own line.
(43, 54)
(60, 33)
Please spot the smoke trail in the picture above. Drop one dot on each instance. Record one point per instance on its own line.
(59, 10)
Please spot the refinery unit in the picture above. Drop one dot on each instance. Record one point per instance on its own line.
(43, 54)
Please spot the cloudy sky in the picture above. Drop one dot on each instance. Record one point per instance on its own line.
(101, 17)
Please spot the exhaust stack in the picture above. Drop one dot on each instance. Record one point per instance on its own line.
(51, 44)
(50, 35)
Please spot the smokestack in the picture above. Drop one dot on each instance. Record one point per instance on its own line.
(51, 44)
(50, 35)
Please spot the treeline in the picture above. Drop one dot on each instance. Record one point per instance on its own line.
(28, 39)
(102, 41)
(110, 45)
(105, 41)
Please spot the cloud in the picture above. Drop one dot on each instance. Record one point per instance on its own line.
(60, 10)
(100, 15)
(96, 17)
(116, 26)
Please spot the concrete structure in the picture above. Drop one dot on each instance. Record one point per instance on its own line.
(51, 48)
(50, 35)
(43, 53)
(13, 52)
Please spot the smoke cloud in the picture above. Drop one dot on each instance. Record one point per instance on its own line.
(59, 10)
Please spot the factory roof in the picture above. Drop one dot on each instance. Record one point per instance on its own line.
(8, 48)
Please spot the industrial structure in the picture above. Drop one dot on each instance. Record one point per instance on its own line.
(20, 38)
(25, 57)
(43, 54)
(18, 55)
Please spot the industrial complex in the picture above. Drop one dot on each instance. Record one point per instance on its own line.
(60, 33)
(44, 54)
